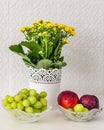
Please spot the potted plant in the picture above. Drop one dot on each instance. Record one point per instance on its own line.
(41, 52)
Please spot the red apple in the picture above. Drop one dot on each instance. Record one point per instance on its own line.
(89, 101)
(67, 99)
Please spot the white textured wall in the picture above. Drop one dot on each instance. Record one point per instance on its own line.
(84, 72)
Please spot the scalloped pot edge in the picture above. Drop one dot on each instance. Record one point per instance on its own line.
(45, 76)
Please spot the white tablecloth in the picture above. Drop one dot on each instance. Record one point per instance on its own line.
(53, 121)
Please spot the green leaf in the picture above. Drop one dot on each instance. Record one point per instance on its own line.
(45, 63)
(59, 64)
(33, 55)
(28, 62)
(34, 49)
(31, 45)
(17, 49)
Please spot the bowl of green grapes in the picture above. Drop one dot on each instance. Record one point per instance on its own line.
(27, 105)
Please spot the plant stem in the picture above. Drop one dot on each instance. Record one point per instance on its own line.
(46, 49)
(57, 49)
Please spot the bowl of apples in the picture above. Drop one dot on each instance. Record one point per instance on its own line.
(80, 109)
(27, 105)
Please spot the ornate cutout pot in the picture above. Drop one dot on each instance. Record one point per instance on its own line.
(46, 80)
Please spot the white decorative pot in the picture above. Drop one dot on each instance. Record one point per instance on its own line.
(46, 80)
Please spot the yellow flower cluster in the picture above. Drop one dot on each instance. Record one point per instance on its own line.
(23, 29)
(65, 41)
(44, 26)
(70, 30)
(43, 33)
(67, 29)
(27, 28)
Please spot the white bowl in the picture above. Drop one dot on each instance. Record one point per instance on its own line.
(26, 117)
(80, 116)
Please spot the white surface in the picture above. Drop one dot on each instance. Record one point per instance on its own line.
(53, 121)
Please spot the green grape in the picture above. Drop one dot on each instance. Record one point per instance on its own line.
(26, 103)
(43, 94)
(5, 102)
(78, 108)
(24, 90)
(32, 92)
(14, 104)
(85, 109)
(9, 107)
(17, 98)
(36, 110)
(70, 109)
(10, 99)
(20, 105)
(44, 108)
(23, 95)
(7, 96)
(32, 100)
(29, 110)
(38, 96)
(38, 104)
(43, 101)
